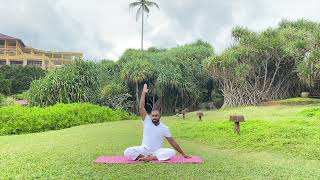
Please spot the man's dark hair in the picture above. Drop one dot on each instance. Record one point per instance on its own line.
(155, 110)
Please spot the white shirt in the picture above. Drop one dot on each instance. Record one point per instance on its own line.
(153, 135)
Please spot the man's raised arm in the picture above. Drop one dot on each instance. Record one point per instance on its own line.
(142, 110)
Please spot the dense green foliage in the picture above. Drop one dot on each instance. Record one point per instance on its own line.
(2, 98)
(79, 81)
(176, 77)
(5, 85)
(267, 65)
(20, 120)
(276, 63)
(16, 79)
(114, 92)
(8, 101)
(308, 66)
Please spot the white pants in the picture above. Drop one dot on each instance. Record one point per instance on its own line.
(161, 154)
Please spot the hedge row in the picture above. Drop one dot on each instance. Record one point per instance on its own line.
(20, 120)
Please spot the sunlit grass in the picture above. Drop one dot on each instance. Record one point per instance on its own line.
(275, 143)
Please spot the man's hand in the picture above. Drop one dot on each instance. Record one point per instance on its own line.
(176, 146)
(185, 156)
(145, 88)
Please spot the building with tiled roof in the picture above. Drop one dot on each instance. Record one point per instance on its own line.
(14, 52)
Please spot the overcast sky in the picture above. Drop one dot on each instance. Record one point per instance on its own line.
(104, 29)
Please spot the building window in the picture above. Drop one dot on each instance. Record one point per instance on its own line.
(37, 52)
(66, 57)
(12, 43)
(48, 55)
(36, 63)
(2, 43)
(57, 55)
(2, 51)
(27, 51)
(16, 62)
(11, 52)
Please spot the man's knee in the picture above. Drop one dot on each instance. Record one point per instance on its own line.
(133, 152)
(128, 151)
(171, 152)
(165, 154)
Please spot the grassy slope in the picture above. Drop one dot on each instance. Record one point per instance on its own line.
(289, 130)
(299, 99)
(70, 153)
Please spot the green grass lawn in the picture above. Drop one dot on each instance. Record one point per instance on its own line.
(278, 142)
(299, 99)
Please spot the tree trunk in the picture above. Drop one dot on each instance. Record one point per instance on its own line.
(142, 31)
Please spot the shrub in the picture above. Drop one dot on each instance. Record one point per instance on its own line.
(19, 120)
(114, 92)
(2, 98)
(77, 82)
(16, 79)
(5, 85)
(9, 101)
(21, 96)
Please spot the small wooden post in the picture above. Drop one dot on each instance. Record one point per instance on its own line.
(237, 119)
(200, 114)
(184, 112)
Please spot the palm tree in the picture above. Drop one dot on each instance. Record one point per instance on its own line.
(144, 6)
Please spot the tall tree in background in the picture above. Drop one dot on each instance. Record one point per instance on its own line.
(176, 77)
(136, 72)
(267, 65)
(144, 6)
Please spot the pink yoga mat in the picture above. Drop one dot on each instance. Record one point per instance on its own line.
(125, 160)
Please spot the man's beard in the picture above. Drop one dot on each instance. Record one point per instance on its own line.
(154, 121)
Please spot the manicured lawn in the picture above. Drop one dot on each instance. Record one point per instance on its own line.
(275, 143)
(287, 130)
(298, 99)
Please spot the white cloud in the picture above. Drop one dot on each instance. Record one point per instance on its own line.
(104, 28)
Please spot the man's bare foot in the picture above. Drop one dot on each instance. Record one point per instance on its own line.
(139, 157)
(148, 158)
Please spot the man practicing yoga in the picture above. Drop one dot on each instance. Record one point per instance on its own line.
(153, 133)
